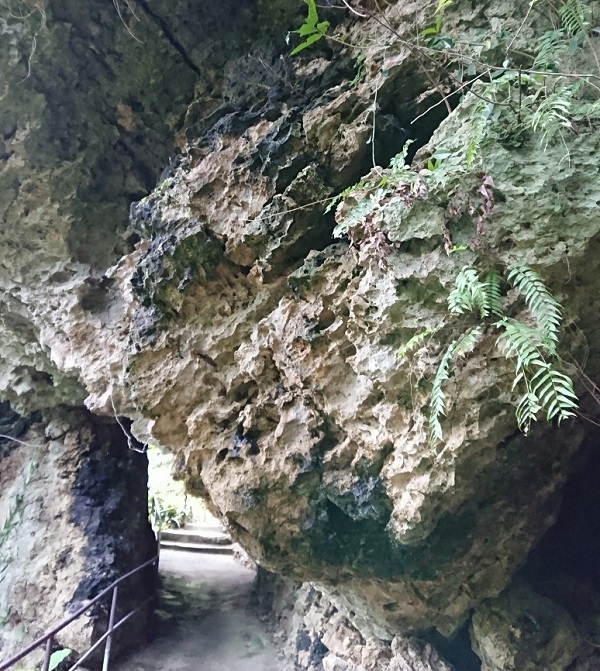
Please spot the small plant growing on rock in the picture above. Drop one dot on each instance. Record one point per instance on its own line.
(312, 30)
(533, 347)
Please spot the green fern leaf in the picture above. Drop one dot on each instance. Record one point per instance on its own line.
(417, 340)
(469, 293)
(549, 48)
(468, 341)
(437, 402)
(493, 295)
(521, 341)
(546, 310)
(574, 17)
(553, 113)
(527, 410)
(554, 392)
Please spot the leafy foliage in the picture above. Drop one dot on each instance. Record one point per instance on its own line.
(470, 293)
(437, 401)
(168, 503)
(312, 30)
(546, 310)
(533, 347)
(541, 94)
(530, 91)
(575, 17)
(416, 341)
(170, 513)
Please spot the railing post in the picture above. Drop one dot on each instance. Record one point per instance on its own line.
(111, 623)
(47, 639)
(47, 653)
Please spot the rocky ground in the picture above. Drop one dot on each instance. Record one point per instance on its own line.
(215, 627)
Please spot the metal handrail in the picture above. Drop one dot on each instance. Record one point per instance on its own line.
(48, 637)
(157, 510)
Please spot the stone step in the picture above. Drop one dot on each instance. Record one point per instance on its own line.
(206, 548)
(201, 536)
(205, 526)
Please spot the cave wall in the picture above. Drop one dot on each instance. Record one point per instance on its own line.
(73, 515)
(210, 305)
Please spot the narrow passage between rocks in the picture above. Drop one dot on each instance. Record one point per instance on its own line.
(216, 629)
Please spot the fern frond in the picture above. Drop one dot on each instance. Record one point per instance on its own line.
(553, 114)
(527, 410)
(468, 293)
(417, 340)
(546, 388)
(523, 342)
(468, 341)
(554, 392)
(574, 17)
(545, 309)
(473, 146)
(548, 49)
(493, 295)
(437, 401)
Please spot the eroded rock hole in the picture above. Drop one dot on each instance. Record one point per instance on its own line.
(455, 649)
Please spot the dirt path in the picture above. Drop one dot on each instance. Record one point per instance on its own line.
(219, 631)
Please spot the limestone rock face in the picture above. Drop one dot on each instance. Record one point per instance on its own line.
(521, 630)
(73, 515)
(301, 423)
(222, 318)
(321, 637)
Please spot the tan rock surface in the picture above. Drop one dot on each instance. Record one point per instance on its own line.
(222, 319)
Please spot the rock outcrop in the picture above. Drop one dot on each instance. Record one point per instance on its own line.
(227, 324)
(73, 518)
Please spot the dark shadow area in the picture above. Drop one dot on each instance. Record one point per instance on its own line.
(455, 649)
(565, 565)
(572, 545)
(14, 425)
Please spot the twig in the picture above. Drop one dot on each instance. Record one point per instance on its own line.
(22, 442)
(448, 96)
(127, 28)
(130, 439)
(363, 16)
(373, 128)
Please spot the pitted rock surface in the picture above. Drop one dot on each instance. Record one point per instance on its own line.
(211, 306)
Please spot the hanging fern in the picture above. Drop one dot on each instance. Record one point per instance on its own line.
(470, 293)
(437, 401)
(493, 295)
(553, 113)
(549, 48)
(546, 310)
(555, 394)
(545, 388)
(574, 16)
(533, 347)
(523, 342)
(527, 411)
